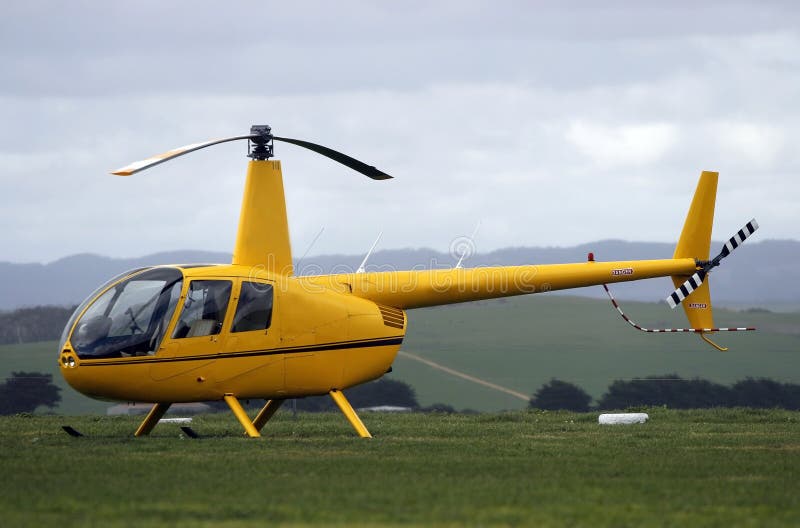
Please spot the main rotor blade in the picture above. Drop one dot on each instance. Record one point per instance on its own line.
(358, 166)
(137, 166)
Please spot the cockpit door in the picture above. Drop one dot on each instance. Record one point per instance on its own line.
(197, 337)
(253, 339)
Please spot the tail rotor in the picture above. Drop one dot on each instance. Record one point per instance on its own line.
(696, 280)
(694, 246)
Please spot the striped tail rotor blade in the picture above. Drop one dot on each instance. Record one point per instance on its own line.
(737, 239)
(686, 289)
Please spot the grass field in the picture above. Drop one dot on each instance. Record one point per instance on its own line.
(723, 468)
(522, 342)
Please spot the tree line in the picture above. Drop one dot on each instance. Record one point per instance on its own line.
(372, 394)
(671, 391)
(28, 325)
(24, 392)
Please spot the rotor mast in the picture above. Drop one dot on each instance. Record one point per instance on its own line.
(262, 239)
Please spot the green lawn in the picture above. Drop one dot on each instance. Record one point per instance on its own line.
(723, 468)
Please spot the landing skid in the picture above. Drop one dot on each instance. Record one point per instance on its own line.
(70, 431)
(253, 428)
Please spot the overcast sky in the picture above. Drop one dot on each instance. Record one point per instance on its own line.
(551, 123)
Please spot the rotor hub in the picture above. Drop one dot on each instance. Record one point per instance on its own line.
(260, 142)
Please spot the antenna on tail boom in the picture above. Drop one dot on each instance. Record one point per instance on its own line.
(362, 268)
(467, 250)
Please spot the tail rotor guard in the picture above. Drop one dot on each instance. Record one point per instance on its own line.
(701, 331)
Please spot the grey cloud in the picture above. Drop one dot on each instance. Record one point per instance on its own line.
(91, 49)
(551, 125)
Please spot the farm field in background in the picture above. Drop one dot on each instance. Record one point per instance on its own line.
(523, 342)
(43, 357)
(683, 468)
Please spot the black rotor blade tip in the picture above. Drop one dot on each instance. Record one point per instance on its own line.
(359, 166)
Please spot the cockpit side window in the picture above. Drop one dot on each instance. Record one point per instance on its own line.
(204, 309)
(254, 311)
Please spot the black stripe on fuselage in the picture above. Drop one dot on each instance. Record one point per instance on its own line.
(364, 343)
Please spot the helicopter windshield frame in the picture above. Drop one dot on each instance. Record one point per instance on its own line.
(130, 318)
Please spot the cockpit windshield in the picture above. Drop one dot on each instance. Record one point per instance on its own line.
(130, 318)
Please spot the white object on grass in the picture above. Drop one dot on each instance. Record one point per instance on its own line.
(622, 418)
(176, 420)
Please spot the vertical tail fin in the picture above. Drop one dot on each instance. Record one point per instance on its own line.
(692, 291)
(695, 242)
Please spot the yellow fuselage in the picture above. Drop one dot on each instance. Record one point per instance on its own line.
(190, 333)
(318, 340)
(327, 332)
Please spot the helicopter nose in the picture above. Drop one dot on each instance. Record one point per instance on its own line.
(68, 359)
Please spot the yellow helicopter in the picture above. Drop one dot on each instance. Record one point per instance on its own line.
(252, 329)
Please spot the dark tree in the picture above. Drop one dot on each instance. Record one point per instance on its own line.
(670, 390)
(702, 394)
(439, 408)
(25, 391)
(372, 394)
(766, 393)
(560, 395)
(26, 325)
(383, 392)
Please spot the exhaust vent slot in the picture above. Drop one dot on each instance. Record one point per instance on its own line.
(393, 317)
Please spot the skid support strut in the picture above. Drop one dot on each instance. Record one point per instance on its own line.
(349, 413)
(236, 407)
(152, 419)
(266, 413)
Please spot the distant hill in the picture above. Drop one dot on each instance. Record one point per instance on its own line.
(759, 274)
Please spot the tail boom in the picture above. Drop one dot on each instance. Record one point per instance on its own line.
(417, 289)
